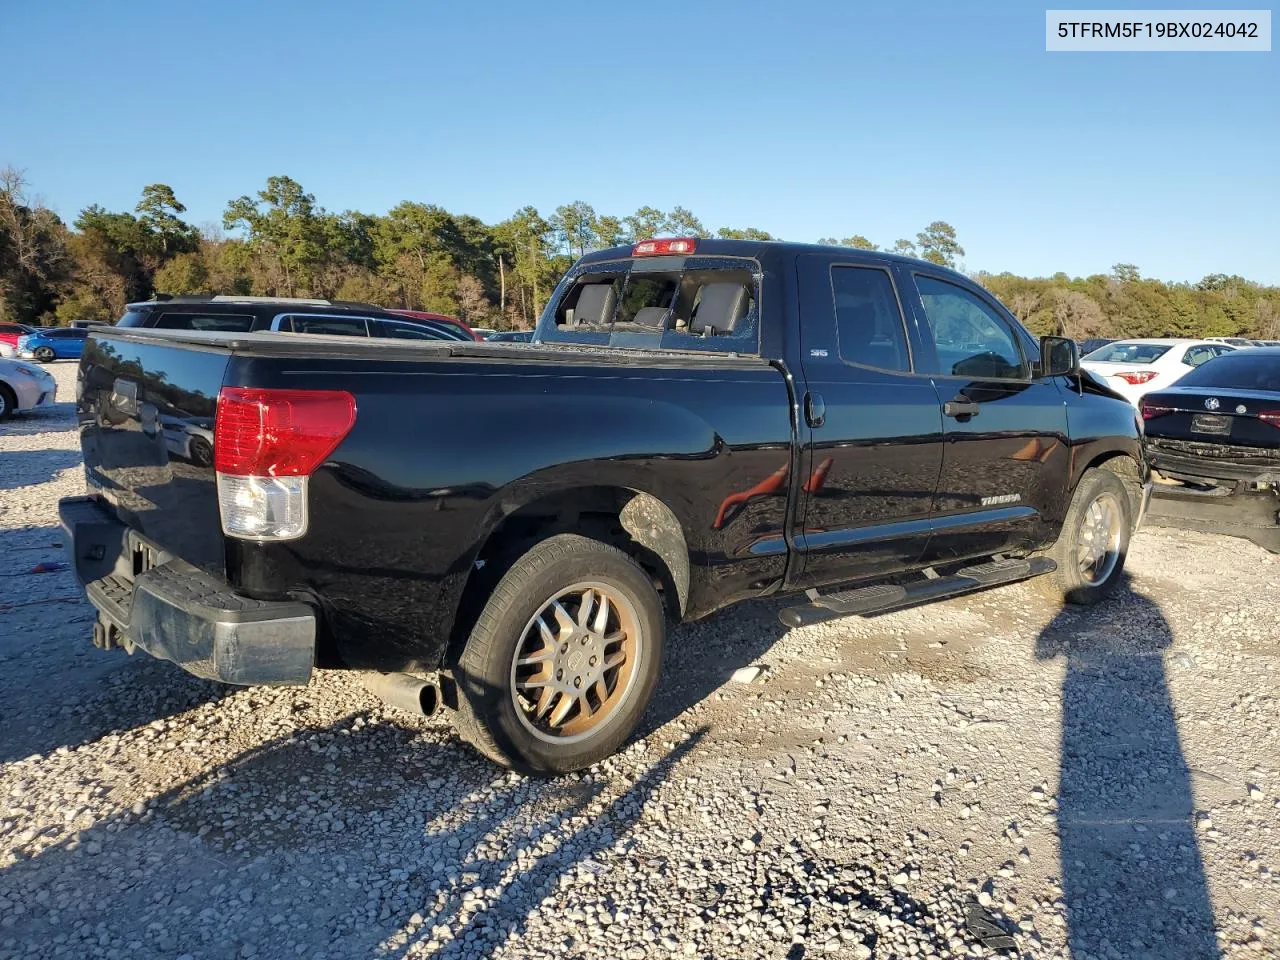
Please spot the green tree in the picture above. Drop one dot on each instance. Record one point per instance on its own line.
(645, 224)
(185, 273)
(744, 233)
(905, 248)
(682, 223)
(610, 232)
(574, 227)
(1125, 273)
(158, 212)
(284, 227)
(857, 240)
(937, 243)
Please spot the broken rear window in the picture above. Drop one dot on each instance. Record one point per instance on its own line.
(683, 303)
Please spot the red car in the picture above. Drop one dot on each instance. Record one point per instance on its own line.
(440, 318)
(10, 332)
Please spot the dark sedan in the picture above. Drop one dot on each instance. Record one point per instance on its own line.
(1216, 434)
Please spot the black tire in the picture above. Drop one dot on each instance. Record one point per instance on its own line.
(8, 402)
(1070, 582)
(44, 354)
(487, 715)
(201, 453)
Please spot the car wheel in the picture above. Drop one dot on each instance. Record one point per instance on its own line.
(44, 354)
(201, 452)
(8, 402)
(1094, 542)
(563, 659)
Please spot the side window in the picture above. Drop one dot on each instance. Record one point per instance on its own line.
(972, 339)
(329, 326)
(230, 322)
(408, 331)
(1197, 355)
(869, 327)
(1221, 351)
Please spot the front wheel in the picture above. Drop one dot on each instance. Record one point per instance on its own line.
(8, 402)
(44, 354)
(563, 660)
(1091, 549)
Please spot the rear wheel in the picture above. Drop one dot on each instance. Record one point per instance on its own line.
(8, 402)
(1091, 549)
(201, 452)
(44, 354)
(564, 658)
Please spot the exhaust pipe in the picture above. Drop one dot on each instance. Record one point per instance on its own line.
(411, 694)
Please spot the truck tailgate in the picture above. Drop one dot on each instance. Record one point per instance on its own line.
(146, 421)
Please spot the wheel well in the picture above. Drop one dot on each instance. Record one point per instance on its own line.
(1129, 472)
(637, 523)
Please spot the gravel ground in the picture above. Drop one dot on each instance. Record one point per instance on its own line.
(1091, 784)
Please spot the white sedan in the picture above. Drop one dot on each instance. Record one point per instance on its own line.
(24, 386)
(1133, 368)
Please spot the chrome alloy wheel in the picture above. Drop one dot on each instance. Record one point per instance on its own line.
(1098, 545)
(576, 662)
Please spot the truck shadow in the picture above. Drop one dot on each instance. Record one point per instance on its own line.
(1133, 879)
(409, 844)
(701, 657)
(25, 468)
(56, 690)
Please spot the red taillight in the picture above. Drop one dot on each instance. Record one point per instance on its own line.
(278, 433)
(658, 248)
(1152, 410)
(1138, 376)
(1270, 416)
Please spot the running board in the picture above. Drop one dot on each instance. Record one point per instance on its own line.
(884, 597)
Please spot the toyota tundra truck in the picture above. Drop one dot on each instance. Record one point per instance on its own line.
(505, 530)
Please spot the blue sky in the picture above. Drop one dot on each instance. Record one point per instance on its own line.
(804, 119)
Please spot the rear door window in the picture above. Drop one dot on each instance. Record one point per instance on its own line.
(869, 324)
(1130, 353)
(1198, 355)
(226, 322)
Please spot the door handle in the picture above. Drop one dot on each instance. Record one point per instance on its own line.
(960, 407)
(815, 410)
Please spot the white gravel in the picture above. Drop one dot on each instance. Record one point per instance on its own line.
(1095, 784)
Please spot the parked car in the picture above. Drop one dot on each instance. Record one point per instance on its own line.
(1217, 432)
(232, 314)
(24, 387)
(511, 336)
(1233, 341)
(1093, 343)
(9, 334)
(483, 333)
(687, 438)
(450, 324)
(52, 343)
(1134, 368)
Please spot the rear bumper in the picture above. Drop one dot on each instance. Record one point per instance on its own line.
(1201, 464)
(149, 599)
(1250, 515)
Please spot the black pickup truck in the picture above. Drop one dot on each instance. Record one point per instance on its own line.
(504, 529)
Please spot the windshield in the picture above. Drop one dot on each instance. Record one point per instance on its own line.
(1129, 353)
(1242, 370)
(686, 303)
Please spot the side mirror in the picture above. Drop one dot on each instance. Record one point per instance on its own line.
(1059, 357)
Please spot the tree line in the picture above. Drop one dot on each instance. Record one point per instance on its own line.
(280, 242)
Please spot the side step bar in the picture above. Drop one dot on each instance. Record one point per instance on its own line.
(885, 597)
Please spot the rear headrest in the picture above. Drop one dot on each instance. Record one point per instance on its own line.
(595, 305)
(651, 317)
(720, 307)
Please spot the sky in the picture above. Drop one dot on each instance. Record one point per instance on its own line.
(805, 119)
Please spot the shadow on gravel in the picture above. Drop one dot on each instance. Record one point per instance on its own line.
(26, 468)
(356, 839)
(61, 416)
(701, 657)
(56, 690)
(1133, 879)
